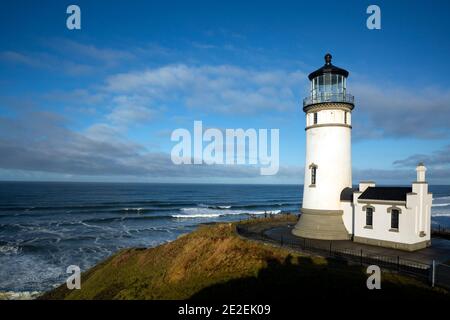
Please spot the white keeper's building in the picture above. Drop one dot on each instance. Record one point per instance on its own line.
(396, 217)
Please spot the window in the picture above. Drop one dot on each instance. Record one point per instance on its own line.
(313, 175)
(314, 89)
(315, 117)
(369, 217)
(340, 83)
(394, 218)
(327, 82)
(334, 83)
(320, 84)
(345, 117)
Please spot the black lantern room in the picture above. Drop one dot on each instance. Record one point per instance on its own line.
(328, 84)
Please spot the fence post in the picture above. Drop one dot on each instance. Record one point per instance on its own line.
(361, 257)
(433, 273)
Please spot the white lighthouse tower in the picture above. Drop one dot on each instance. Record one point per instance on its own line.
(328, 167)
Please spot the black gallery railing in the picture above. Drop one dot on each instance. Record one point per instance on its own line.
(328, 97)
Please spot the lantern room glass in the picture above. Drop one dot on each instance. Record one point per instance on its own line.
(327, 85)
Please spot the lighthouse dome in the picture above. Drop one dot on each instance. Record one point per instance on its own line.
(328, 67)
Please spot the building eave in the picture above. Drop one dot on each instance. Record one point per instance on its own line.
(370, 201)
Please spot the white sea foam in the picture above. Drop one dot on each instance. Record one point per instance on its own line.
(211, 206)
(440, 214)
(213, 213)
(187, 216)
(441, 205)
(19, 295)
(9, 249)
(133, 209)
(442, 198)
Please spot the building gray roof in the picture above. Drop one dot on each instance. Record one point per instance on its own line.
(347, 194)
(385, 193)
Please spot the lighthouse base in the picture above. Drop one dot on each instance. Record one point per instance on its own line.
(321, 224)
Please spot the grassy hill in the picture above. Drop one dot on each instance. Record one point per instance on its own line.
(214, 263)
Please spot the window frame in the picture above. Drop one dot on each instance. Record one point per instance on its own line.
(365, 208)
(369, 213)
(395, 213)
(313, 175)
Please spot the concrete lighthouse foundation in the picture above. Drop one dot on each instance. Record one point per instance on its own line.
(321, 224)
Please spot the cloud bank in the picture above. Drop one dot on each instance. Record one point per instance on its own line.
(40, 140)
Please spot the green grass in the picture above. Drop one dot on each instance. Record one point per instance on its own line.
(214, 263)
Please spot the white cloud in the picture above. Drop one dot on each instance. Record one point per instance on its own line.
(48, 62)
(439, 159)
(395, 111)
(225, 89)
(131, 110)
(107, 56)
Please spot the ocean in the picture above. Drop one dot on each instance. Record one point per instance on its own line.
(45, 227)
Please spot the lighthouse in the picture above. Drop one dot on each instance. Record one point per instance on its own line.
(392, 217)
(328, 164)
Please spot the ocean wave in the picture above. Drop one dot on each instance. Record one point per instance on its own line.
(440, 214)
(200, 215)
(9, 249)
(440, 204)
(261, 206)
(25, 246)
(153, 203)
(213, 213)
(246, 206)
(141, 210)
(442, 198)
(60, 208)
(133, 209)
(19, 295)
(209, 206)
(114, 219)
(101, 206)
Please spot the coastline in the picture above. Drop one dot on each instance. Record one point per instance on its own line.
(38, 241)
(257, 225)
(215, 262)
(22, 295)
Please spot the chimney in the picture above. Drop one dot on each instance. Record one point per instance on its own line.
(363, 185)
(421, 169)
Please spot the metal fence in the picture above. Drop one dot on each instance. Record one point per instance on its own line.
(441, 231)
(440, 228)
(440, 273)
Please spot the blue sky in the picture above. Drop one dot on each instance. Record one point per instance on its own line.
(100, 103)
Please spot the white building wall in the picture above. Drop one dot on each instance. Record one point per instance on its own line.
(347, 208)
(414, 220)
(420, 200)
(381, 224)
(329, 116)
